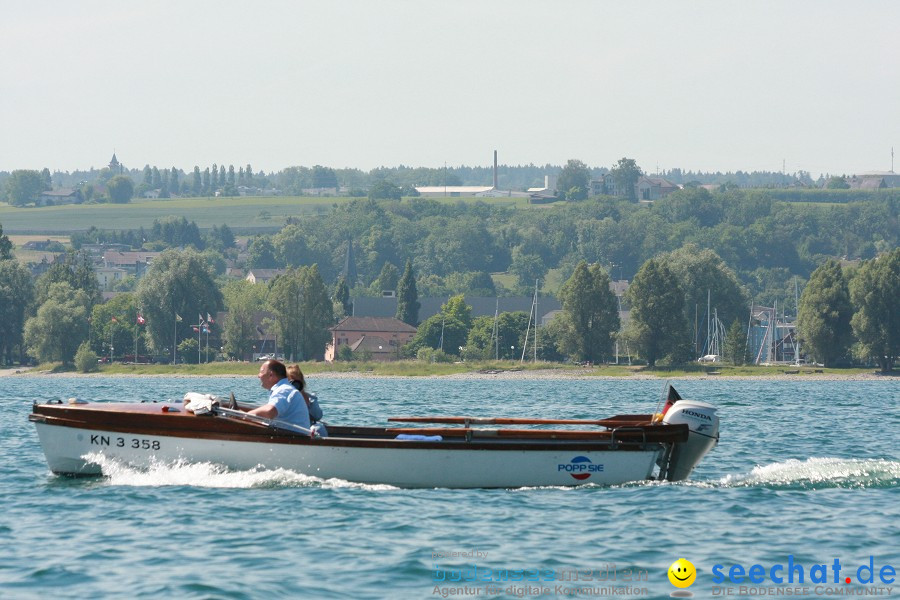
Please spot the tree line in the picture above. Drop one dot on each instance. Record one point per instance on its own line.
(22, 186)
(59, 317)
(455, 248)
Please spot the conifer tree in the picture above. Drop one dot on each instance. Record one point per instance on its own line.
(342, 297)
(196, 181)
(736, 344)
(408, 297)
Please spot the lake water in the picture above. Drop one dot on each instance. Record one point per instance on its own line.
(806, 473)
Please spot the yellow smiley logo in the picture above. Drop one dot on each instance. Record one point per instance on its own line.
(682, 573)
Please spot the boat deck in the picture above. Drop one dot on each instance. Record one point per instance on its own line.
(622, 432)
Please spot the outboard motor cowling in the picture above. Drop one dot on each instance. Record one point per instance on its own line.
(703, 422)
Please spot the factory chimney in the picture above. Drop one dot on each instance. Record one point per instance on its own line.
(495, 169)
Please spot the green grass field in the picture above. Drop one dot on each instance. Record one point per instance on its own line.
(241, 213)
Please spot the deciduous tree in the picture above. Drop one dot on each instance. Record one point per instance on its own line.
(574, 180)
(387, 280)
(24, 186)
(290, 247)
(303, 311)
(823, 319)
(509, 340)
(120, 189)
(60, 325)
(874, 292)
(658, 327)
(77, 270)
(243, 300)
(5, 245)
(384, 190)
(262, 253)
(115, 322)
(591, 314)
(16, 299)
(703, 276)
(178, 282)
(626, 173)
(527, 268)
(447, 330)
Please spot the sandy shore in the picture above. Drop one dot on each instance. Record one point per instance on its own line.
(15, 371)
(591, 374)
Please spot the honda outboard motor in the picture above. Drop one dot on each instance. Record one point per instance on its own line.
(703, 422)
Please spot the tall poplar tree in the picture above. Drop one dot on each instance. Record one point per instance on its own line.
(823, 318)
(408, 297)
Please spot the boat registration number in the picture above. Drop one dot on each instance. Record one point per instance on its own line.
(121, 442)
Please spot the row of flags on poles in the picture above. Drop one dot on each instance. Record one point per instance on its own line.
(201, 325)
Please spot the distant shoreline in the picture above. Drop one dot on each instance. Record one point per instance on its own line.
(504, 375)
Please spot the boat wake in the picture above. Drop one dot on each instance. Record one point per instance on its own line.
(815, 473)
(210, 475)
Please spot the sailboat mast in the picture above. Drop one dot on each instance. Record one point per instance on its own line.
(496, 332)
(796, 319)
(535, 319)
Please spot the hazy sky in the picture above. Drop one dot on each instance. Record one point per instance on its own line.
(700, 85)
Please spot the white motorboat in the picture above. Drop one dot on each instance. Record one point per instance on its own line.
(464, 452)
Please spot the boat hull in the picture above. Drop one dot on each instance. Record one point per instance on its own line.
(141, 435)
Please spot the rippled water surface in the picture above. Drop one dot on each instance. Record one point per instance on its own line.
(804, 469)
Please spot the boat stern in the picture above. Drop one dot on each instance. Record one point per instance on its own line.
(703, 424)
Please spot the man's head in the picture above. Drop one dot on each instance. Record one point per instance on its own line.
(271, 372)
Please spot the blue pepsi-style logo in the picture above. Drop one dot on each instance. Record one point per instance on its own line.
(580, 468)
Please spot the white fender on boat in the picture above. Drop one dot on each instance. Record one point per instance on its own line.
(703, 422)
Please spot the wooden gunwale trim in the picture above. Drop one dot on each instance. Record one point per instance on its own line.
(617, 421)
(267, 435)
